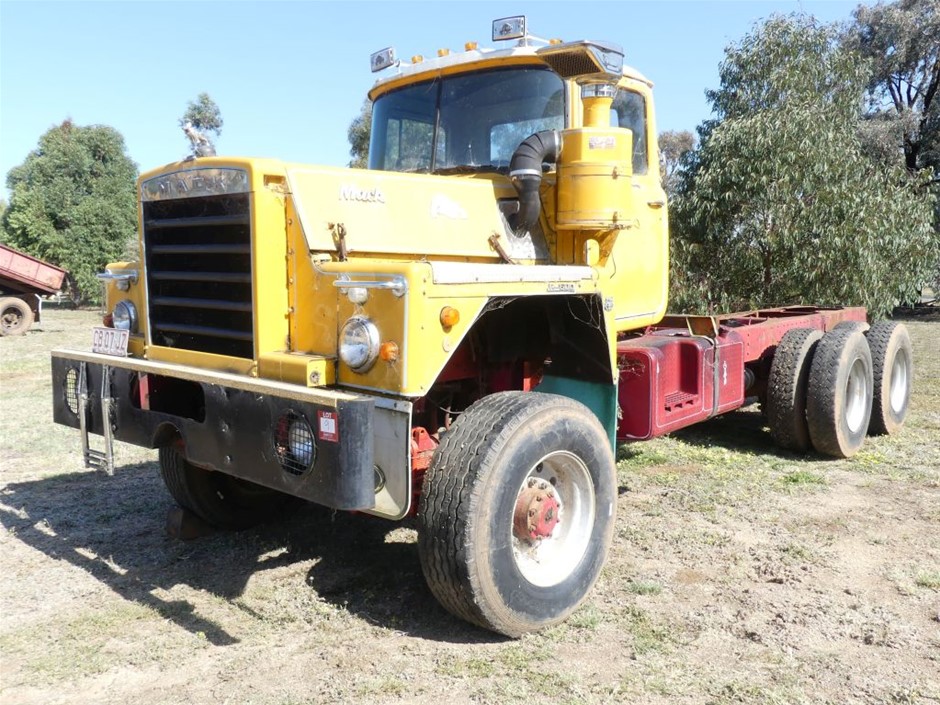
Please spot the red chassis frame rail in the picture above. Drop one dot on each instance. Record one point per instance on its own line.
(689, 368)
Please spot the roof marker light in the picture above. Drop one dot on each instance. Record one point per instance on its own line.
(470, 46)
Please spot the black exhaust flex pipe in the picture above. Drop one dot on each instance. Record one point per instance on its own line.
(525, 172)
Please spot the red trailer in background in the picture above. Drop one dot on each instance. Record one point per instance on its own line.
(23, 279)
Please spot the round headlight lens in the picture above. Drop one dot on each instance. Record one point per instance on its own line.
(125, 316)
(294, 443)
(359, 343)
(300, 442)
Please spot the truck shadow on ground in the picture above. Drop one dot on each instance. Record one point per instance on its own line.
(743, 431)
(114, 528)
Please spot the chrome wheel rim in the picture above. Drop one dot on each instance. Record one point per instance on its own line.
(857, 396)
(900, 382)
(547, 546)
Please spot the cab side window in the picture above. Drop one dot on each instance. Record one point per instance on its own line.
(629, 110)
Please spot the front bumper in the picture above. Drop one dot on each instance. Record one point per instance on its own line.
(227, 422)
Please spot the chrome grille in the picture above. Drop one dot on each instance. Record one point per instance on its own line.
(198, 256)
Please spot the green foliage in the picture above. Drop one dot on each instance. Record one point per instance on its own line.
(780, 204)
(3, 211)
(203, 114)
(73, 203)
(359, 134)
(901, 42)
(673, 148)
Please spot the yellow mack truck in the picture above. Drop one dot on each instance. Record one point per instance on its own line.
(460, 333)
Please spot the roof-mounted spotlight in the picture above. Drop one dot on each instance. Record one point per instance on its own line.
(509, 28)
(383, 59)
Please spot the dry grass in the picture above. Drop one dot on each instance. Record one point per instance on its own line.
(740, 574)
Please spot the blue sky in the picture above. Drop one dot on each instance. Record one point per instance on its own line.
(290, 76)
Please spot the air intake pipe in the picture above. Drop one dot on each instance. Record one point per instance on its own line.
(525, 173)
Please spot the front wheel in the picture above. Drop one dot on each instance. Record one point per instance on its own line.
(517, 512)
(218, 499)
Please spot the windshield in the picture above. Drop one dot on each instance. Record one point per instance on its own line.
(469, 122)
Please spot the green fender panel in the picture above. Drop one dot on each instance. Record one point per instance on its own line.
(598, 397)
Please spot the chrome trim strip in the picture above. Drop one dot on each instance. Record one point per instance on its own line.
(128, 275)
(315, 395)
(397, 285)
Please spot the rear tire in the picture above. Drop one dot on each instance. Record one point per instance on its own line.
(15, 316)
(218, 499)
(852, 325)
(517, 512)
(786, 389)
(839, 395)
(892, 357)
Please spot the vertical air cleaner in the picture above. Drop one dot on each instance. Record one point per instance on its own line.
(594, 172)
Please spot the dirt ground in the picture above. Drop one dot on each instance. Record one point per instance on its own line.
(739, 574)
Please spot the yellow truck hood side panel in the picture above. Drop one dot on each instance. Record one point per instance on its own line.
(384, 212)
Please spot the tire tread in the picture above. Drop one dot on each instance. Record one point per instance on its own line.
(451, 499)
(786, 389)
(203, 492)
(881, 336)
(823, 394)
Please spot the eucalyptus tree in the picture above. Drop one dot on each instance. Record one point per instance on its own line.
(780, 204)
(901, 42)
(73, 203)
(202, 117)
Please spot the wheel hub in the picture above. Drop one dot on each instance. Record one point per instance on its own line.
(537, 511)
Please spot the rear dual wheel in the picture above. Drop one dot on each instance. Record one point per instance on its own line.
(839, 392)
(893, 375)
(829, 391)
(786, 388)
(517, 511)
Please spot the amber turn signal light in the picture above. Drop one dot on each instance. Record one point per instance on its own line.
(449, 317)
(389, 351)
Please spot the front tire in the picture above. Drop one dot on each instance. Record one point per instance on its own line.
(218, 499)
(517, 512)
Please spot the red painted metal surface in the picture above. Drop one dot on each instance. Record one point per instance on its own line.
(423, 445)
(23, 274)
(689, 368)
(670, 379)
(537, 511)
(762, 329)
(422, 448)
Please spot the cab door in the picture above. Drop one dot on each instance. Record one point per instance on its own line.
(641, 252)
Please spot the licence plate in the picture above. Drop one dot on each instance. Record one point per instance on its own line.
(109, 341)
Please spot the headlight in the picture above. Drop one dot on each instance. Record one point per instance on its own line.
(125, 316)
(294, 444)
(359, 343)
